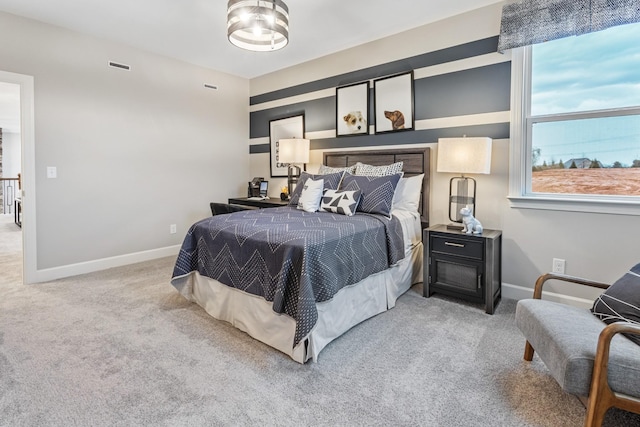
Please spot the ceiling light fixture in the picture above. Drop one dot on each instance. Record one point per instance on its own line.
(258, 25)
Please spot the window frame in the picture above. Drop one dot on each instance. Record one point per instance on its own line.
(520, 145)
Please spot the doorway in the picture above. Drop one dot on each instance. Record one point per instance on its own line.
(17, 244)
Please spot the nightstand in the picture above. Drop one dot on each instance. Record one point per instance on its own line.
(267, 203)
(465, 266)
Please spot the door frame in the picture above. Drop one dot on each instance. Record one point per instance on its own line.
(28, 175)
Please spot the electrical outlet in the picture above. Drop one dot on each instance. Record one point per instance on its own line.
(172, 229)
(558, 266)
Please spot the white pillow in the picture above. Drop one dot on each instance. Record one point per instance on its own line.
(309, 200)
(407, 195)
(340, 202)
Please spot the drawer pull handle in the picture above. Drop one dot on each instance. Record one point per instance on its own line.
(457, 245)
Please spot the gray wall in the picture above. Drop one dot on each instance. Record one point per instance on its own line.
(462, 87)
(135, 150)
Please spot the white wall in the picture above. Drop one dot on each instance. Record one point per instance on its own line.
(598, 246)
(11, 156)
(135, 151)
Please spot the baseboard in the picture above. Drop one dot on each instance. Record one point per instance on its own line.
(54, 273)
(516, 292)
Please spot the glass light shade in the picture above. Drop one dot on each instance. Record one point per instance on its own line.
(294, 150)
(464, 155)
(258, 25)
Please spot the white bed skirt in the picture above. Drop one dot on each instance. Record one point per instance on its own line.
(350, 306)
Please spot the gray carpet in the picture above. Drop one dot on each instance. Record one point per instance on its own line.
(122, 347)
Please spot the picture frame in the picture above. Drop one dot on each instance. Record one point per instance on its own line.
(352, 109)
(288, 127)
(393, 103)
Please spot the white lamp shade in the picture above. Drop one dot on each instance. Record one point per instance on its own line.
(464, 155)
(294, 150)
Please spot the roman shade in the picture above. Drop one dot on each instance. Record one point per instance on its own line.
(528, 22)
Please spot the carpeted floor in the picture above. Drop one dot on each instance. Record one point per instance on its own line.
(122, 347)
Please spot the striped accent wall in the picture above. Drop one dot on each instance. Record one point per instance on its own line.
(460, 90)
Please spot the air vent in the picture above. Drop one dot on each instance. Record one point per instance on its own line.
(214, 87)
(121, 66)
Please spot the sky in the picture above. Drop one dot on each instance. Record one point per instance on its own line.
(590, 72)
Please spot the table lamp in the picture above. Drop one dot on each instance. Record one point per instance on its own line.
(463, 156)
(294, 152)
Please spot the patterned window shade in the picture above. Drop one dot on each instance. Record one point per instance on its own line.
(528, 22)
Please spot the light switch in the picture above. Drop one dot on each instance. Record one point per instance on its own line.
(52, 172)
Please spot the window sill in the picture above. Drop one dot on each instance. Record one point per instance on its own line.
(622, 206)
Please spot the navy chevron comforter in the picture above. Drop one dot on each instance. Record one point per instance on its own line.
(290, 257)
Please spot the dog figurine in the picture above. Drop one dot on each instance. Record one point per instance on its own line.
(397, 119)
(356, 122)
(470, 224)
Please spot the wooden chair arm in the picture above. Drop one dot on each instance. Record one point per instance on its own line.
(601, 397)
(537, 292)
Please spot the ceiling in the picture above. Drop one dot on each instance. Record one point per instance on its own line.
(194, 31)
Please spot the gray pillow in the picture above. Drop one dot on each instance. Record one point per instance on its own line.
(331, 182)
(621, 301)
(377, 192)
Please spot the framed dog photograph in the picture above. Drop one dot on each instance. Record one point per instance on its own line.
(352, 109)
(289, 127)
(393, 103)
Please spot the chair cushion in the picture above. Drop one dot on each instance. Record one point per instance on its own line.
(621, 301)
(566, 339)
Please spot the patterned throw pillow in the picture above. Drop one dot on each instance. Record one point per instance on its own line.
(331, 182)
(621, 301)
(369, 170)
(341, 202)
(328, 169)
(377, 191)
(309, 200)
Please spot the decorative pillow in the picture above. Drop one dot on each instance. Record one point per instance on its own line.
(328, 169)
(377, 191)
(331, 182)
(341, 202)
(369, 170)
(621, 301)
(407, 195)
(309, 200)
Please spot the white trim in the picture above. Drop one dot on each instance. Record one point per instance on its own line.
(304, 97)
(462, 65)
(466, 120)
(260, 141)
(321, 134)
(54, 273)
(614, 206)
(519, 80)
(28, 175)
(517, 293)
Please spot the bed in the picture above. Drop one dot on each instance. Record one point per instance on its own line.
(297, 280)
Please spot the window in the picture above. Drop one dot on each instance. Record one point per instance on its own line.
(576, 123)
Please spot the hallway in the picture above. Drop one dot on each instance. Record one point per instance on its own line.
(10, 250)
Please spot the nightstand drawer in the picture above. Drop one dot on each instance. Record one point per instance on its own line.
(457, 246)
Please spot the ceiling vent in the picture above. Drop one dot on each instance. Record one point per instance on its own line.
(121, 66)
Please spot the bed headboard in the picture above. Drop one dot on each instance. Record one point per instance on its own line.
(416, 161)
